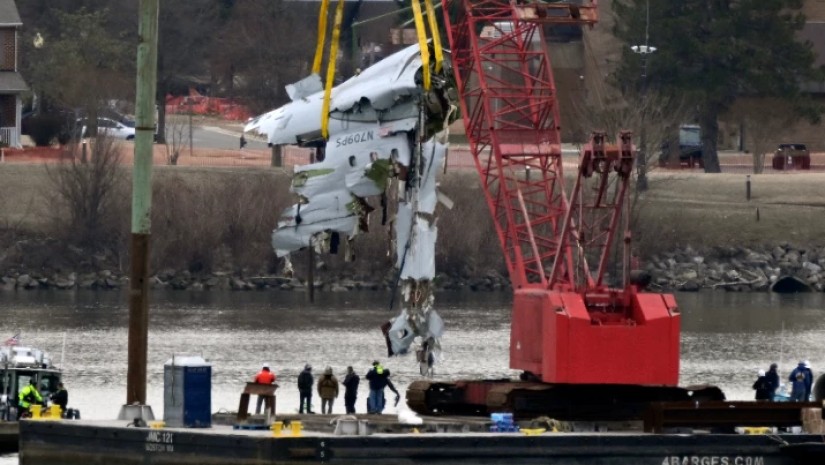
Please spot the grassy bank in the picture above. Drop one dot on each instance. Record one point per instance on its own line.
(211, 218)
(706, 211)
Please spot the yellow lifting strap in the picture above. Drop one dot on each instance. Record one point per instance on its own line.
(421, 31)
(332, 59)
(322, 36)
(439, 54)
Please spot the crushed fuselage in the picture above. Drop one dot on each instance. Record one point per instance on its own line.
(383, 127)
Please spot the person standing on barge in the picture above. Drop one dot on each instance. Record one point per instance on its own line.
(305, 382)
(265, 376)
(799, 383)
(773, 379)
(327, 390)
(762, 387)
(350, 389)
(809, 380)
(379, 378)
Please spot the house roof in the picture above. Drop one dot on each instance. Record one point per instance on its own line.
(12, 82)
(8, 14)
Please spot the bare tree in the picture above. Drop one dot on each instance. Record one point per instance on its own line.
(84, 196)
(659, 117)
(249, 65)
(656, 115)
(765, 122)
(177, 132)
(183, 49)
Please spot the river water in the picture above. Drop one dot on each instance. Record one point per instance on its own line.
(726, 338)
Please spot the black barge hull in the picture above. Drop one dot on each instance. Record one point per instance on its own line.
(75, 443)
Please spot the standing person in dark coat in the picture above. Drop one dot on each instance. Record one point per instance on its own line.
(350, 389)
(799, 383)
(305, 382)
(379, 378)
(61, 398)
(773, 378)
(762, 387)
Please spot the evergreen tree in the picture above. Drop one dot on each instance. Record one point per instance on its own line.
(83, 64)
(713, 51)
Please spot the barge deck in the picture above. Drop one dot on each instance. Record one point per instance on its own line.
(112, 442)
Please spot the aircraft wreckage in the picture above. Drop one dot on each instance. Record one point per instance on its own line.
(382, 124)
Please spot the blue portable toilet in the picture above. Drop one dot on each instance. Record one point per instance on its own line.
(187, 392)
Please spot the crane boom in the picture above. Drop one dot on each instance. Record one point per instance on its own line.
(568, 325)
(589, 345)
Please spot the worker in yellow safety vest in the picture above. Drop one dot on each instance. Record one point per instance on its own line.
(28, 396)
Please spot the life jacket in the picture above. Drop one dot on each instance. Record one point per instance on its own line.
(265, 377)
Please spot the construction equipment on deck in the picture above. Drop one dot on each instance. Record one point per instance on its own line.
(589, 342)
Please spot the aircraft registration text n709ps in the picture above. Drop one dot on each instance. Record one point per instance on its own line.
(356, 138)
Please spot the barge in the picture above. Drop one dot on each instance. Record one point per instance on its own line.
(437, 441)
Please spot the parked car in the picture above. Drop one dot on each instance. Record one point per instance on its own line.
(791, 156)
(690, 147)
(109, 127)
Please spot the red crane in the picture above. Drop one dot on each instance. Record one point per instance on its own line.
(573, 334)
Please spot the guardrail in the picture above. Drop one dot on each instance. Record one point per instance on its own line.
(10, 137)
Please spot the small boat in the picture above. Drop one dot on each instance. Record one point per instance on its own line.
(18, 366)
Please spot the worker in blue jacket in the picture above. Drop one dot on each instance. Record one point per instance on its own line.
(379, 378)
(799, 383)
(809, 379)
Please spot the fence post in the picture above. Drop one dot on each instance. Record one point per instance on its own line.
(277, 156)
(748, 188)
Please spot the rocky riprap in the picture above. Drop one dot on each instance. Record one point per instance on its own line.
(737, 269)
(220, 280)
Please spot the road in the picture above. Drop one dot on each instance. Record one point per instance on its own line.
(208, 135)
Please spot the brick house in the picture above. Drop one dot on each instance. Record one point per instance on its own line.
(11, 82)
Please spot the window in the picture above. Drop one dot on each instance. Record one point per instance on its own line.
(7, 57)
(48, 383)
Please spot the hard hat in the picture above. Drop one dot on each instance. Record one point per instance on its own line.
(807, 364)
(266, 365)
(761, 373)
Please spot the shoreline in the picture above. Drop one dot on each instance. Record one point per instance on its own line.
(211, 230)
(732, 269)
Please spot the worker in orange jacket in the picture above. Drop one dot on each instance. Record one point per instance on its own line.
(265, 376)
